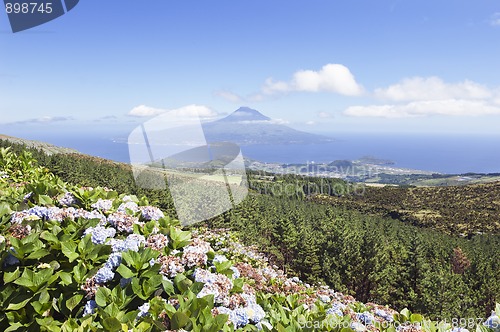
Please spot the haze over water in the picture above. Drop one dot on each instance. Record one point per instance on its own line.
(450, 153)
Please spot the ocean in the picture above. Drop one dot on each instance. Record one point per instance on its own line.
(452, 154)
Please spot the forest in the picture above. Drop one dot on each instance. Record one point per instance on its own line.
(391, 245)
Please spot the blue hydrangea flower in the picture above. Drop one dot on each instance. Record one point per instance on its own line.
(103, 275)
(103, 204)
(255, 312)
(124, 282)
(67, 199)
(89, 308)
(151, 213)
(143, 310)
(366, 317)
(10, 260)
(39, 211)
(388, 317)
(114, 260)
(358, 327)
(335, 311)
(324, 298)
(132, 242)
(493, 322)
(100, 234)
(459, 329)
(239, 317)
(219, 259)
(128, 206)
(236, 272)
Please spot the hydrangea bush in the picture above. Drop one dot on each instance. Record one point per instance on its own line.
(91, 259)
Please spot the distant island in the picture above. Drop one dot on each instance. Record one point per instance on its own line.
(247, 126)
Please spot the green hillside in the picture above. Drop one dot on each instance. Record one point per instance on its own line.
(375, 259)
(459, 210)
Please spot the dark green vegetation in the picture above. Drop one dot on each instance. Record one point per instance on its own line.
(434, 179)
(376, 259)
(458, 210)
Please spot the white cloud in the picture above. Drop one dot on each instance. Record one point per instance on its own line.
(310, 123)
(325, 115)
(425, 96)
(145, 111)
(272, 121)
(45, 120)
(229, 96)
(432, 88)
(335, 78)
(495, 20)
(189, 111)
(449, 107)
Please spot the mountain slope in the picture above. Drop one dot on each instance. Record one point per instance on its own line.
(248, 126)
(48, 148)
(112, 262)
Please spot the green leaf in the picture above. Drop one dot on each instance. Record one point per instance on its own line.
(168, 286)
(25, 282)
(47, 236)
(237, 285)
(38, 254)
(14, 327)
(11, 276)
(44, 297)
(19, 302)
(42, 277)
(101, 296)
(112, 324)
(405, 313)
(65, 278)
(74, 301)
(179, 238)
(179, 320)
(44, 200)
(69, 250)
(79, 272)
(416, 318)
(182, 282)
(221, 267)
(125, 272)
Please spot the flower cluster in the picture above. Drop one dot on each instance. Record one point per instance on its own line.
(103, 205)
(157, 241)
(143, 310)
(195, 254)
(384, 314)
(216, 284)
(128, 206)
(68, 199)
(122, 221)
(365, 317)
(100, 234)
(250, 312)
(170, 265)
(89, 308)
(131, 242)
(151, 213)
(54, 213)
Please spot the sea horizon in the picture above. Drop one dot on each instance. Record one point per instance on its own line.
(440, 153)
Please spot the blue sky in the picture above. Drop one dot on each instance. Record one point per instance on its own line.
(322, 66)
